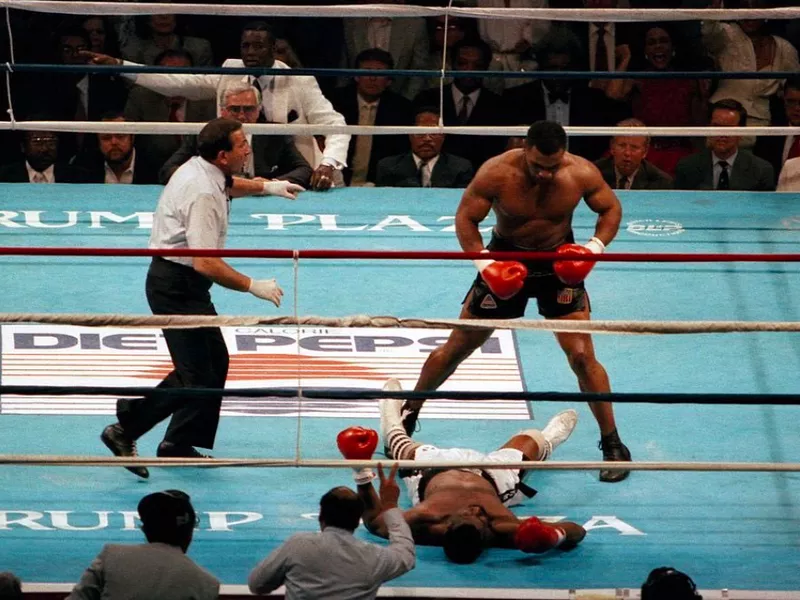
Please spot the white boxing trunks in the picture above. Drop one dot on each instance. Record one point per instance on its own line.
(507, 481)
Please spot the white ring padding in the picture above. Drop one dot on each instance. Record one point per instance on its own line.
(192, 321)
(308, 129)
(393, 10)
(44, 460)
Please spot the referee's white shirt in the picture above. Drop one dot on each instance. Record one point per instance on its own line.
(192, 211)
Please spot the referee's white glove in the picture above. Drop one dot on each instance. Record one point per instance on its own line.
(285, 189)
(266, 289)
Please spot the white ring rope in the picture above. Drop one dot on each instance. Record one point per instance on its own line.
(193, 321)
(103, 461)
(309, 129)
(393, 10)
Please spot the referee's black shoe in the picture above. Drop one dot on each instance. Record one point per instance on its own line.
(170, 450)
(120, 444)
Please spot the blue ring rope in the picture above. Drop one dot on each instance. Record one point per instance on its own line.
(365, 395)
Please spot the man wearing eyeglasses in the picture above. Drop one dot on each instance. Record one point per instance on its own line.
(41, 164)
(273, 156)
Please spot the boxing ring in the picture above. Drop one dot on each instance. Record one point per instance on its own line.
(728, 529)
(709, 405)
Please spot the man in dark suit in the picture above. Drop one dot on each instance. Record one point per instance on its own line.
(627, 168)
(426, 165)
(41, 164)
(71, 96)
(785, 110)
(600, 39)
(115, 160)
(568, 102)
(147, 105)
(272, 156)
(723, 166)
(468, 103)
(369, 101)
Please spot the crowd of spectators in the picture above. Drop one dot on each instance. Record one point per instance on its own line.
(517, 46)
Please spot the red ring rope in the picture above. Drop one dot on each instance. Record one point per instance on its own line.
(400, 255)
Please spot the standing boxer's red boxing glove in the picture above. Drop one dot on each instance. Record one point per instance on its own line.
(505, 278)
(572, 272)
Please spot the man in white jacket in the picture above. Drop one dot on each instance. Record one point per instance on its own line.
(285, 99)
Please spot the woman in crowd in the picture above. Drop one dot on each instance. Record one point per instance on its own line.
(662, 102)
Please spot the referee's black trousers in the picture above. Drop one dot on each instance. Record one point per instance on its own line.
(199, 356)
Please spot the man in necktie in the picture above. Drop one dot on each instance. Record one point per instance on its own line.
(628, 153)
(41, 152)
(601, 35)
(467, 90)
(40, 162)
(424, 173)
(368, 100)
(467, 102)
(601, 49)
(426, 147)
(604, 43)
(723, 165)
(463, 111)
(257, 50)
(426, 165)
(371, 91)
(263, 113)
(723, 180)
(627, 167)
(363, 143)
(724, 148)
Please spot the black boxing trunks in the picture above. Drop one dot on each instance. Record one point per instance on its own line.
(554, 298)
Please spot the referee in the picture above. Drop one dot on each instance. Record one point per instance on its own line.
(192, 212)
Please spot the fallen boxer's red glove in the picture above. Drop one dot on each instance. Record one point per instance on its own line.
(358, 443)
(536, 537)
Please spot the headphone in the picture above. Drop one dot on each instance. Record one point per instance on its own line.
(668, 583)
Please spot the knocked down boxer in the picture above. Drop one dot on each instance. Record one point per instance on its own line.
(463, 510)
